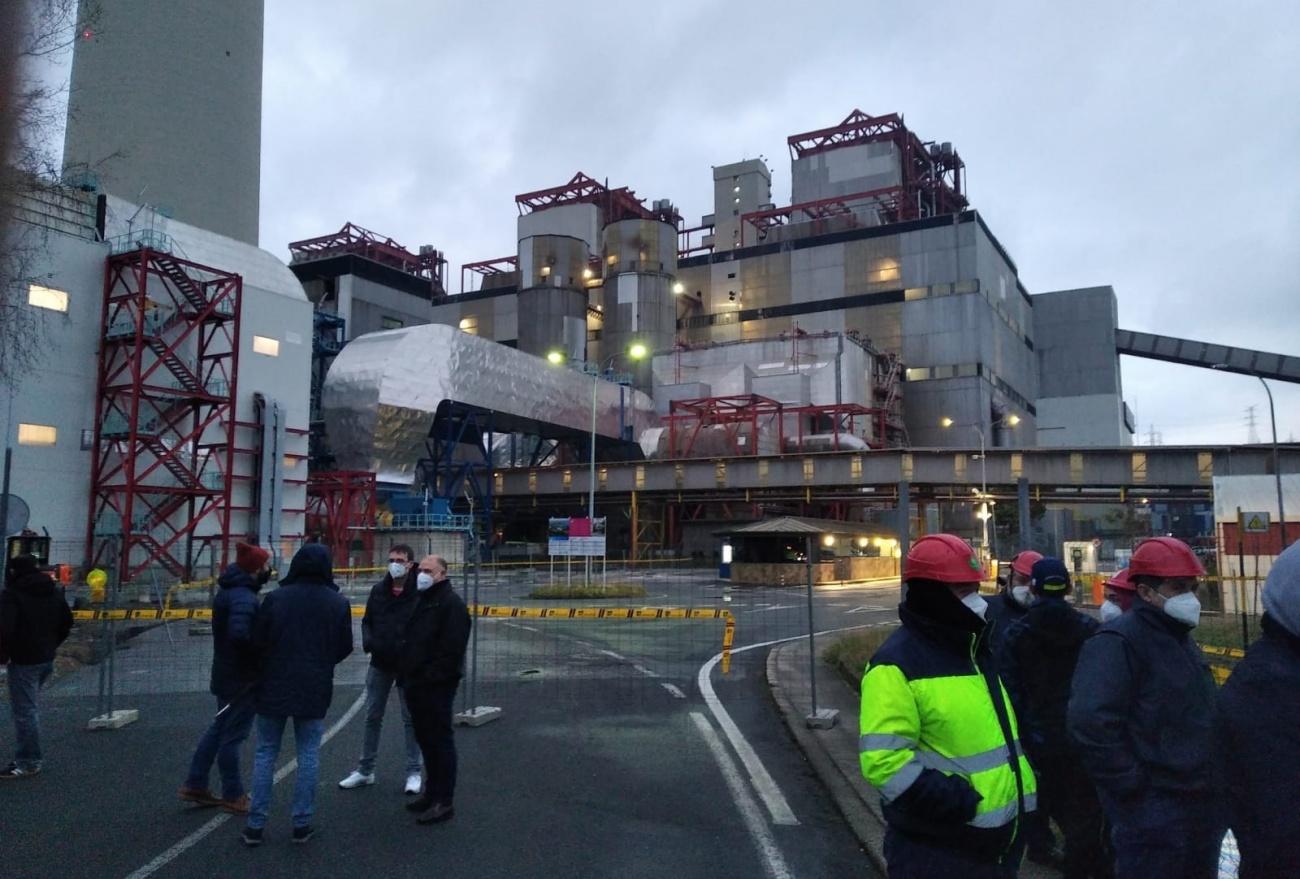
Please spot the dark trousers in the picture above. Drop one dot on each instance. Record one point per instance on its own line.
(1066, 796)
(221, 742)
(909, 858)
(430, 706)
(1166, 835)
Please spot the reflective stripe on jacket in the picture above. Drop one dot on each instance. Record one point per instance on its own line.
(936, 723)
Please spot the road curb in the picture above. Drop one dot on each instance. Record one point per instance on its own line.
(847, 793)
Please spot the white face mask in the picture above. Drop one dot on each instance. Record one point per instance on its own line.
(397, 570)
(976, 604)
(1021, 595)
(1110, 611)
(423, 581)
(1186, 608)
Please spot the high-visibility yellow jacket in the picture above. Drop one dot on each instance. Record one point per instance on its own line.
(939, 740)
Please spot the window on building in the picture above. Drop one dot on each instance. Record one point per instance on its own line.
(266, 345)
(37, 435)
(469, 325)
(391, 323)
(883, 270)
(47, 297)
(87, 440)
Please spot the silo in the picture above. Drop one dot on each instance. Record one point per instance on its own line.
(165, 109)
(553, 295)
(640, 263)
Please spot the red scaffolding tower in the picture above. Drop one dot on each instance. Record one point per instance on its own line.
(739, 425)
(164, 439)
(341, 509)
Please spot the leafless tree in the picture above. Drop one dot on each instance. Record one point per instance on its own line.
(34, 36)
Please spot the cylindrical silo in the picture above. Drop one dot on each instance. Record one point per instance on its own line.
(640, 260)
(165, 108)
(552, 296)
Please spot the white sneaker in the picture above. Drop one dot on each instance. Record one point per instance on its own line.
(413, 783)
(357, 779)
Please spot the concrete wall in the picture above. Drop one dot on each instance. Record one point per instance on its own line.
(369, 307)
(849, 569)
(738, 188)
(166, 106)
(1079, 385)
(845, 171)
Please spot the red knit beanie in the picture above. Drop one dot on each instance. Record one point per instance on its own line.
(250, 558)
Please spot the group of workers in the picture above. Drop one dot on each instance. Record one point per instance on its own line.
(983, 722)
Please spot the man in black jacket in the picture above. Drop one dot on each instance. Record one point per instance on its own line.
(1039, 655)
(302, 631)
(34, 621)
(430, 663)
(1142, 712)
(234, 674)
(1258, 733)
(387, 609)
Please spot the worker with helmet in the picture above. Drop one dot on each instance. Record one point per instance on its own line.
(1142, 712)
(939, 737)
(1118, 593)
(1013, 599)
(1037, 663)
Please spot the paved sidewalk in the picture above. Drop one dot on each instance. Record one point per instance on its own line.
(833, 753)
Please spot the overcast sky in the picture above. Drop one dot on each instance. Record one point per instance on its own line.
(1154, 147)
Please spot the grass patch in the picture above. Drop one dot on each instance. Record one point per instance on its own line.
(613, 590)
(849, 654)
(1224, 630)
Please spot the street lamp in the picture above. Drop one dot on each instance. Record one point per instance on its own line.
(1010, 420)
(1277, 466)
(636, 351)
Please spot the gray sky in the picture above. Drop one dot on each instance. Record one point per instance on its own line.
(1149, 146)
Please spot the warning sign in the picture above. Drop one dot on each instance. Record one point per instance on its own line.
(1254, 523)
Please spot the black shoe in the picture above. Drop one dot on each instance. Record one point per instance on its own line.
(420, 805)
(302, 834)
(436, 814)
(252, 836)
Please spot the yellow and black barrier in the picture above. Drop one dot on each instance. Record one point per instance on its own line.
(486, 610)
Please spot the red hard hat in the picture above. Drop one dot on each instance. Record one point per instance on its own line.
(1023, 563)
(1121, 581)
(943, 557)
(1164, 557)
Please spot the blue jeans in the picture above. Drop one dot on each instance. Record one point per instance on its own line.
(307, 734)
(221, 743)
(379, 684)
(24, 683)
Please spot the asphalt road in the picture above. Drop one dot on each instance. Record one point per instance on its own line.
(611, 759)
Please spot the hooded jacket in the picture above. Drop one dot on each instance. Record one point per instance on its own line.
(1039, 655)
(938, 736)
(1257, 733)
(34, 617)
(234, 658)
(303, 629)
(1003, 613)
(1142, 707)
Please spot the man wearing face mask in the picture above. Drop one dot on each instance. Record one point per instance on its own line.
(387, 608)
(431, 661)
(1142, 712)
(938, 735)
(1038, 661)
(235, 669)
(1009, 605)
(1119, 593)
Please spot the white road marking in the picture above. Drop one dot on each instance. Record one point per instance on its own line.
(283, 772)
(776, 607)
(868, 608)
(773, 862)
(521, 626)
(645, 671)
(777, 805)
(674, 689)
(618, 656)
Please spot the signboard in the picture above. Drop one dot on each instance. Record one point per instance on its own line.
(580, 537)
(1254, 523)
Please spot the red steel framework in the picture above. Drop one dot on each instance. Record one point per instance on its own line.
(488, 267)
(165, 421)
(687, 418)
(931, 175)
(341, 506)
(427, 264)
(619, 204)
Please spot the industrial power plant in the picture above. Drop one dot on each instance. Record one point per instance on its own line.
(863, 350)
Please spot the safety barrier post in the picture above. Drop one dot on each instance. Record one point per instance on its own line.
(824, 718)
(108, 717)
